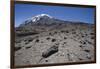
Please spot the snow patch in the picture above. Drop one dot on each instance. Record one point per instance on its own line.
(36, 18)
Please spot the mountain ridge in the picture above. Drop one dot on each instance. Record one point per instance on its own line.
(45, 19)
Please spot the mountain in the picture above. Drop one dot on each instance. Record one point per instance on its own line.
(41, 23)
(42, 19)
(43, 39)
(38, 24)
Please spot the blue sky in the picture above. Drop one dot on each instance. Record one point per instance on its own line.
(25, 11)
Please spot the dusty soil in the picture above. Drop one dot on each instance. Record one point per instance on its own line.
(73, 43)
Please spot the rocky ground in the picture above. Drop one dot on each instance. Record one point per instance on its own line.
(71, 43)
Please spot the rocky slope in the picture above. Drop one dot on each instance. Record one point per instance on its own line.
(44, 40)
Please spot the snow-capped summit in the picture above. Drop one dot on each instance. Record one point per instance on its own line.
(42, 15)
(38, 17)
(41, 19)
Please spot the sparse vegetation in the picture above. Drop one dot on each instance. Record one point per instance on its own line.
(26, 42)
(88, 56)
(46, 60)
(67, 31)
(53, 40)
(17, 41)
(80, 58)
(87, 50)
(55, 32)
(62, 31)
(28, 47)
(92, 33)
(80, 46)
(48, 38)
(29, 40)
(20, 34)
(37, 40)
(50, 33)
(65, 37)
(82, 42)
(89, 42)
(83, 36)
(92, 37)
(73, 32)
(17, 48)
(64, 42)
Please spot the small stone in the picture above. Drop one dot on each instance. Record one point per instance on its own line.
(46, 60)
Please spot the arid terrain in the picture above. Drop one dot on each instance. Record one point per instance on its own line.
(48, 41)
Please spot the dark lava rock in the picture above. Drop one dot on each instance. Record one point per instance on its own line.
(50, 51)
